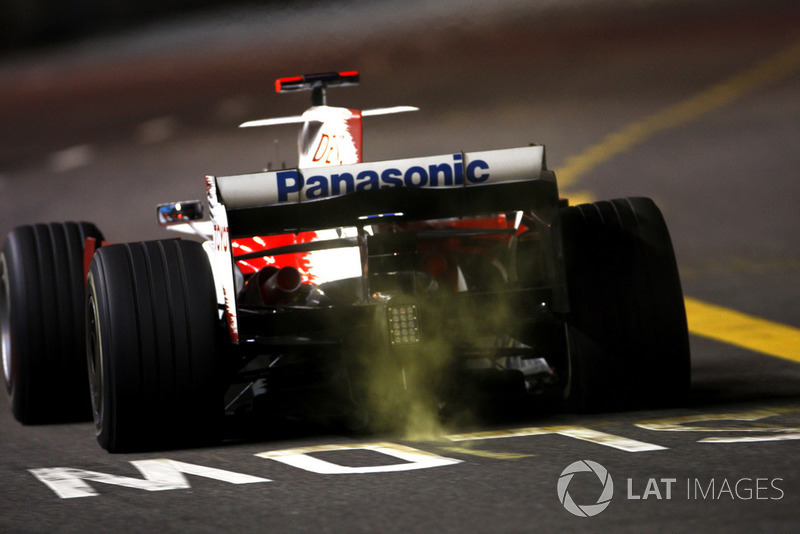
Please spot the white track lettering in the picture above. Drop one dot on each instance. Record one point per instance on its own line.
(764, 431)
(159, 475)
(578, 432)
(414, 459)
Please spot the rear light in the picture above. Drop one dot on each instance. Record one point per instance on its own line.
(403, 324)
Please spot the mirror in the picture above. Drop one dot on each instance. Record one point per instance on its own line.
(179, 212)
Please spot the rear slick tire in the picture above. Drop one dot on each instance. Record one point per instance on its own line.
(627, 337)
(42, 320)
(153, 346)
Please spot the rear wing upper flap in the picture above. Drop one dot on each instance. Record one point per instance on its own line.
(452, 185)
(311, 81)
(317, 83)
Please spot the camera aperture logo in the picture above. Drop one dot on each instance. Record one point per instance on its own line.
(662, 489)
(585, 510)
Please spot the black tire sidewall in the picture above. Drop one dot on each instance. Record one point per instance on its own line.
(627, 335)
(44, 321)
(159, 343)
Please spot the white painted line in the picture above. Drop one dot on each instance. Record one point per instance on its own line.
(753, 439)
(71, 158)
(414, 458)
(770, 432)
(577, 432)
(158, 475)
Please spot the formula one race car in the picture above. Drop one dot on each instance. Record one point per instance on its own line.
(344, 287)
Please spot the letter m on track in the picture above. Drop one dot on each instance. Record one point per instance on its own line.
(158, 475)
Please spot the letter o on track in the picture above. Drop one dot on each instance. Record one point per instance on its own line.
(413, 459)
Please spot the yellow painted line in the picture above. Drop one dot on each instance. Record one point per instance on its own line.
(487, 454)
(578, 197)
(769, 71)
(742, 330)
(705, 320)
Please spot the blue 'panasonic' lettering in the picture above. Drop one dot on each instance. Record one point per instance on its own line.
(442, 174)
(288, 182)
(477, 164)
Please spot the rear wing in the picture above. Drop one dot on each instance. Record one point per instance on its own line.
(318, 83)
(450, 185)
(330, 135)
(445, 186)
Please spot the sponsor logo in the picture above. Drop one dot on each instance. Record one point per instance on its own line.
(222, 238)
(426, 174)
(316, 181)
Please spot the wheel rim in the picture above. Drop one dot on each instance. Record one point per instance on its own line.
(95, 359)
(5, 317)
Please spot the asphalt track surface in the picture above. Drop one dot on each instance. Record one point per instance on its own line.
(696, 105)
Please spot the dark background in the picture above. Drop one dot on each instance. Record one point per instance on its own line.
(37, 23)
